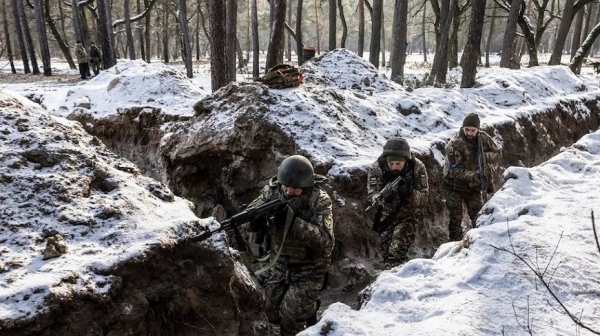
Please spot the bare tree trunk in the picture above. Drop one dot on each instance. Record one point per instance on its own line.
(197, 31)
(383, 42)
(510, 35)
(231, 32)
(218, 56)
(317, 27)
(453, 41)
(61, 44)
(332, 24)
(344, 24)
(20, 39)
(128, 31)
(165, 33)
(141, 32)
(275, 49)
(576, 40)
(105, 32)
(424, 32)
(472, 50)
(361, 27)
(299, 47)
(42, 38)
(398, 57)
(584, 50)
(440, 60)
(204, 25)
(563, 31)
(28, 39)
(376, 32)
(288, 37)
(7, 38)
(62, 18)
(488, 45)
(185, 37)
(255, 46)
(147, 34)
(77, 21)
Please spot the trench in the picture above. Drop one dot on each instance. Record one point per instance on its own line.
(210, 180)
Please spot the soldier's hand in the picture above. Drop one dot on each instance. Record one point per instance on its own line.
(281, 216)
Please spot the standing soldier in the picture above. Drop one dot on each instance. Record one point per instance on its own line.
(463, 179)
(95, 58)
(397, 215)
(301, 241)
(82, 60)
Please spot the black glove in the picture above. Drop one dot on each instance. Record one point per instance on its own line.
(405, 190)
(260, 223)
(281, 216)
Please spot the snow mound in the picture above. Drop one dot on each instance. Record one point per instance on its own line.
(346, 70)
(58, 180)
(132, 84)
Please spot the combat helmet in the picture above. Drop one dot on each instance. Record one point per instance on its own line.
(296, 171)
(397, 146)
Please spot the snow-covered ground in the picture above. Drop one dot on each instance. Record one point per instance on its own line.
(543, 213)
(460, 291)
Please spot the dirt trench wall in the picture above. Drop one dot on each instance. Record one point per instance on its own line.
(211, 168)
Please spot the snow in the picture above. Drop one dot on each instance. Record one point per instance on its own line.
(56, 178)
(341, 120)
(472, 290)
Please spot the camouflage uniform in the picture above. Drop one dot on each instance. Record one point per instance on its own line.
(397, 239)
(296, 279)
(461, 178)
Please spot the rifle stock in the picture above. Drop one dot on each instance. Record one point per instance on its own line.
(243, 217)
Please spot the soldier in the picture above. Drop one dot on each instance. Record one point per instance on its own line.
(462, 178)
(301, 240)
(82, 60)
(396, 218)
(95, 58)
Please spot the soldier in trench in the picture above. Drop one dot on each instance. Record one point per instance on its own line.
(300, 236)
(462, 179)
(398, 215)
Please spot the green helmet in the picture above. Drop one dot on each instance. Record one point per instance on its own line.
(397, 146)
(296, 171)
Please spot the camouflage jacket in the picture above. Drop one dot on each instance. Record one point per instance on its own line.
(309, 243)
(81, 54)
(414, 172)
(461, 167)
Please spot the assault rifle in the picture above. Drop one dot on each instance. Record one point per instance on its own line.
(481, 166)
(248, 215)
(390, 189)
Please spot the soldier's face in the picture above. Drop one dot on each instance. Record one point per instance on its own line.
(470, 132)
(291, 191)
(396, 165)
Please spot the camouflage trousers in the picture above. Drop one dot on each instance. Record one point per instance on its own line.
(292, 297)
(454, 204)
(397, 240)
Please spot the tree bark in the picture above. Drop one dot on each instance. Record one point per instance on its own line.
(563, 31)
(398, 57)
(576, 40)
(7, 38)
(317, 27)
(344, 24)
(255, 46)
(231, 31)
(218, 56)
(472, 50)
(361, 27)
(584, 50)
(376, 32)
(165, 33)
(147, 34)
(332, 24)
(383, 63)
(76, 21)
(141, 33)
(510, 35)
(453, 40)
(61, 43)
(424, 32)
(439, 68)
(128, 31)
(299, 47)
(105, 32)
(275, 49)
(488, 45)
(42, 37)
(185, 37)
(288, 37)
(28, 39)
(20, 39)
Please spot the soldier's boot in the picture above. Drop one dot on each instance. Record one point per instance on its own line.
(455, 231)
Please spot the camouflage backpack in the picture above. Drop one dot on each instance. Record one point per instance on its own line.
(281, 76)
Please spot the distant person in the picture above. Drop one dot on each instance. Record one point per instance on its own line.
(397, 215)
(82, 60)
(301, 241)
(462, 179)
(95, 58)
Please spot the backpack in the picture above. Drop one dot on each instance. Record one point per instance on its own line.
(281, 76)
